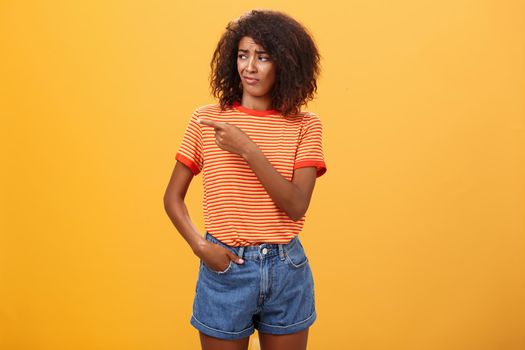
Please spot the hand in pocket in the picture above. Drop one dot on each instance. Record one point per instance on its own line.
(217, 257)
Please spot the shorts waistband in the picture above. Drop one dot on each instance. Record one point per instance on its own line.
(258, 250)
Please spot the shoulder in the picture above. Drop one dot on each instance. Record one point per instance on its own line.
(309, 117)
(208, 109)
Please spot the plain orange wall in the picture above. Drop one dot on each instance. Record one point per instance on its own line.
(416, 233)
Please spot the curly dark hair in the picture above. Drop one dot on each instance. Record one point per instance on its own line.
(291, 47)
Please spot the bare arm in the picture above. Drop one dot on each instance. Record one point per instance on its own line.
(293, 197)
(176, 208)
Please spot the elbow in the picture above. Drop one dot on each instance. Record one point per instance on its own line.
(298, 207)
(166, 199)
(169, 201)
(173, 201)
(297, 214)
(167, 204)
(297, 217)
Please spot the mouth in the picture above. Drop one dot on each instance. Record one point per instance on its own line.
(250, 80)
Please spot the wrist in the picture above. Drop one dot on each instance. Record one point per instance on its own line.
(250, 152)
(198, 245)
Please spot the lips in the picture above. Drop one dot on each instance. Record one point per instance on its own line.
(251, 80)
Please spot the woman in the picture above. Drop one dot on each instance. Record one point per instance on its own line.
(260, 156)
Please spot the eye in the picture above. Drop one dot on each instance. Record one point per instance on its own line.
(241, 55)
(265, 58)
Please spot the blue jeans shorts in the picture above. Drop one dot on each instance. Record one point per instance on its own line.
(272, 291)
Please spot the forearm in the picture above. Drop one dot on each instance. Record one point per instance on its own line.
(285, 194)
(179, 216)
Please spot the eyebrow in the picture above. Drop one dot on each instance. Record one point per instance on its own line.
(243, 50)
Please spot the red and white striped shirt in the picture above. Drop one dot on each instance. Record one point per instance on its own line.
(237, 209)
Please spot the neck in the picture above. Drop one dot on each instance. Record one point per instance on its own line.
(256, 103)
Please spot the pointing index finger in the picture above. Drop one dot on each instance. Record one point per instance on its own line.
(216, 125)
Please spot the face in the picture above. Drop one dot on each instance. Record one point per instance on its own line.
(254, 62)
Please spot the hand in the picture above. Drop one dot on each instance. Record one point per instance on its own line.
(229, 137)
(217, 257)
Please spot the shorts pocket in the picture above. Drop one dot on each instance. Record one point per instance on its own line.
(296, 256)
(228, 268)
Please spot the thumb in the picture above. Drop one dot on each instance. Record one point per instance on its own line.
(235, 258)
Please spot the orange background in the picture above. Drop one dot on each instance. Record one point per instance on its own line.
(416, 233)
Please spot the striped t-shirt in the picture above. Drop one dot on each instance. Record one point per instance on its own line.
(237, 209)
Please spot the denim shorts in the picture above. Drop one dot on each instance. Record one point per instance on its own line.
(272, 291)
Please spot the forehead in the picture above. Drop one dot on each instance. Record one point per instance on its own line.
(247, 42)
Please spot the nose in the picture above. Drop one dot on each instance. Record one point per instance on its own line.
(251, 65)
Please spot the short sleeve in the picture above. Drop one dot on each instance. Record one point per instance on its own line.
(190, 149)
(310, 148)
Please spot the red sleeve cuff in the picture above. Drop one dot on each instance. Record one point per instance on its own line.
(318, 164)
(188, 162)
